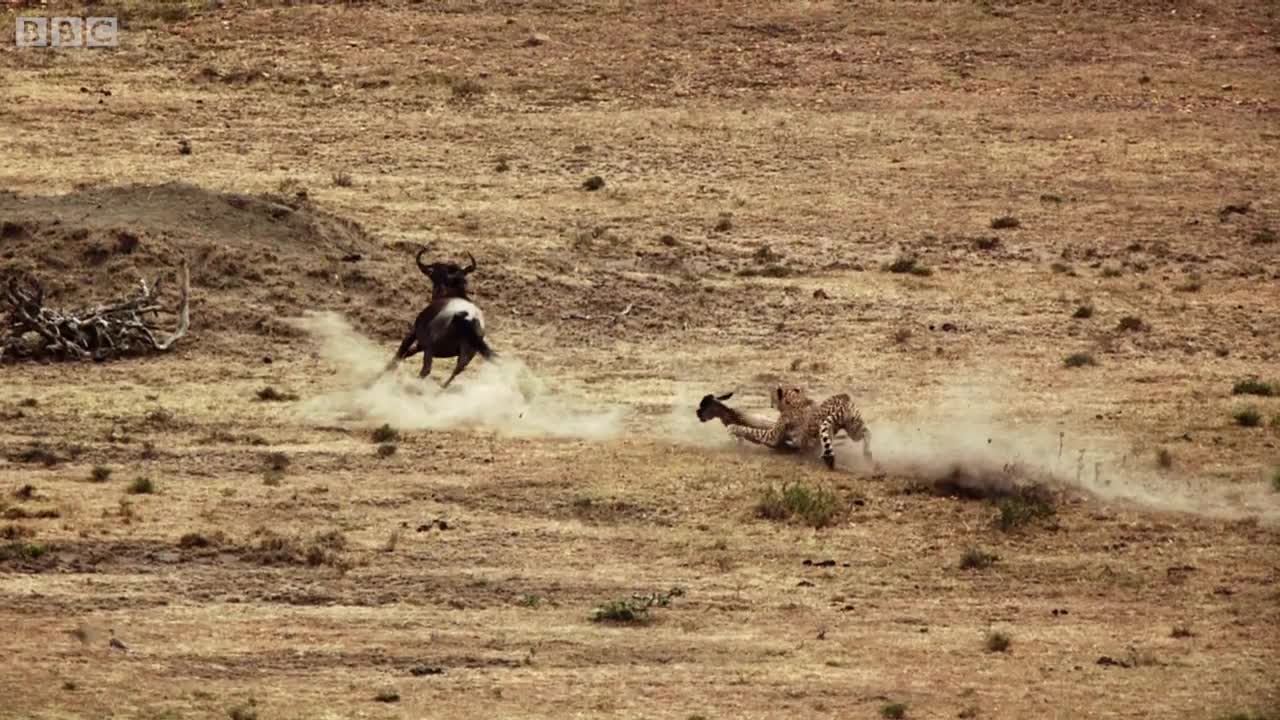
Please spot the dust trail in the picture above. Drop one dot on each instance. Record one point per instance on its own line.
(965, 437)
(504, 396)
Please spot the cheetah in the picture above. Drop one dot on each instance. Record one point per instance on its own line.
(807, 423)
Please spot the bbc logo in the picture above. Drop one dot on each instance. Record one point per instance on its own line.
(66, 32)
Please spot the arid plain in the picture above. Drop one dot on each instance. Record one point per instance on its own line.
(1036, 242)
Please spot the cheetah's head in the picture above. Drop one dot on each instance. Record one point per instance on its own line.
(787, 396)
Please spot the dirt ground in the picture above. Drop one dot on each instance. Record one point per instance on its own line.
(764, 166)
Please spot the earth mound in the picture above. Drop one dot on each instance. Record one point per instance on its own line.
(254, 258)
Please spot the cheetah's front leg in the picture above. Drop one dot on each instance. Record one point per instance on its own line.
(774, 437)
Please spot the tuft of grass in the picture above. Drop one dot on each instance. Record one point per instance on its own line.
(817, 507)
(1193, 283)
(1248, 417)
(1061, 268)
(386, 434)
(593, 183)
(276, 461)
(635, 609)
(908, 264)
(893, 711)
(22, 551)
(529, 601)
(387, 696)
(1254, 386)
(1111, 272)
(342, 178)
(466, 89)
(1084, 312)
(1164, 458)
(1181, 631)
(200, 540)
(243, 712)
(1130, 323)
(270, 394)
(975, 559)
(17, 513)
(987, 243)
(387, 449)
(1076, 360)
(997, 641)
(1022, 508)
(141, 486)
(1275, 480)
(100, 473)
(1005, 222)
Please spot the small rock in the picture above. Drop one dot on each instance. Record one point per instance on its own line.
(1228, 86)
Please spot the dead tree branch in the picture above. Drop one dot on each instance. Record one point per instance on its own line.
(32, 330)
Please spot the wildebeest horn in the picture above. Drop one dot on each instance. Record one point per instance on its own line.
(725, 396)
(421, 265)
(467, 270)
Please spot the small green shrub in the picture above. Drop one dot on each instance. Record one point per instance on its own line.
(634, 610)
(975, 559)
(1254, 386)
(818, 507)
(100, 474)
(386, 434)
(997, 641)
(1022, 508)
(1077, 360)
(1248, 417)
(893, 711)
(142, 486)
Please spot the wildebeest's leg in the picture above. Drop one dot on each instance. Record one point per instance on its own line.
(404, 350)
(427, 356)
(465, 353)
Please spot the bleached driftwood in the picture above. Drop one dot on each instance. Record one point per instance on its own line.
(97, 332)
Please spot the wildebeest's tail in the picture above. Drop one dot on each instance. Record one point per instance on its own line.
(469, 330)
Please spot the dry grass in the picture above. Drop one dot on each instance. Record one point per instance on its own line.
(840, 136)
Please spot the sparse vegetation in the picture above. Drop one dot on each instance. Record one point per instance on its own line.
(908, 264)
(1005, 222)
(141, 486)
(100, 474)
(270, 394)
(1248, 417)
(1254, 386)
(22, 551)
(386, 450)
(277, 461)
(1080, 359)
(634, 610)
(1022, 508)
(817, 507)
(243, 712)
(466, 89)
(201, 540)
(386, 434)
(893, 711)
(1192, 283)
(342, 178)
(276, 549)
(997, 641)
(18, 513)
(1181, 631)
(987, 243)
(975, 559)
(724, 223)
(1083, 312)
(1130, 323)
(387, 696)
(1275, 480)
(593, 183)
(1111, 271)
(1164, 458)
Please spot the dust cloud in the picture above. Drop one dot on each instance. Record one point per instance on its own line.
(502, 395)
(965, 438)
